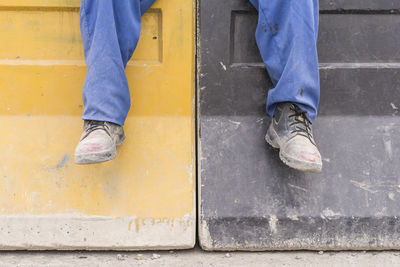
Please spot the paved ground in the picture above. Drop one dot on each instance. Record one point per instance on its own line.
(197, 257)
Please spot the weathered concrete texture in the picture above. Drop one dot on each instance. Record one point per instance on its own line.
(249, 200)
(360, 6)
(200, 258)
(69, 232)
(145, 198)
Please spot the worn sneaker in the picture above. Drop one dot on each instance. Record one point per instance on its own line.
(98, 142)
(291, 132)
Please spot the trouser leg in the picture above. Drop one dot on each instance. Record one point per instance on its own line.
(286, 35)
(110, 32)
(145, 5)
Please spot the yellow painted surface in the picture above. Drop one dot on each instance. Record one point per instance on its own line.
(41, 76)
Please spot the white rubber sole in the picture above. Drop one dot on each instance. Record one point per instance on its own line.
(273, 140)
(93, 158)
(99, 157)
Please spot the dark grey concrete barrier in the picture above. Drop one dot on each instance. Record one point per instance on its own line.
(249, 200)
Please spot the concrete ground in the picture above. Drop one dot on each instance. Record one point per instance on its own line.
(198, 257)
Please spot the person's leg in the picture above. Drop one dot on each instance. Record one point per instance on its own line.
(145, 5)
(286, 35)
(110, 31)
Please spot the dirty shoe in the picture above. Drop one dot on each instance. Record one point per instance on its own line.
(98, 142)
(291, 132)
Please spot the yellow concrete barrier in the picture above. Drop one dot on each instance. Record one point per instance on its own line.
(143, 199)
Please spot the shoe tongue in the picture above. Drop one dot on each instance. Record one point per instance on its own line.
(301, 114)
(301, 118)
(89, 124)
(95, 123)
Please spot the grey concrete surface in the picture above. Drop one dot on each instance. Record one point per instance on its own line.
(250, 200)
(198, 257)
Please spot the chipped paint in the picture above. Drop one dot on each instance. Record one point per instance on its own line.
(223, 65)
(206, 242)
(363, 186)
(71, 232)
(328, 213)
(293, 217)
(63, 161)
(298, 187)
(273, 220)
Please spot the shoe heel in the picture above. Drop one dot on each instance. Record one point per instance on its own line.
(120, 140)
(272, 138)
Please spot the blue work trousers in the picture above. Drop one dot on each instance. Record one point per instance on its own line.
(286, 36)
(110, 32)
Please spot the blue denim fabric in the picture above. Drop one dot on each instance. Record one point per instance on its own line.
(286, 35)
(110, 32)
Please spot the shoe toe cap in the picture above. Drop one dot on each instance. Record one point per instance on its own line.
(94, 144)
(301, 149)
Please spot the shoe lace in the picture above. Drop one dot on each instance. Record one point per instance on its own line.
(96, 125)
(303, 125)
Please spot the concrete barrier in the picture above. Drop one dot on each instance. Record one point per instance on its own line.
(145, 198)
(249, 200)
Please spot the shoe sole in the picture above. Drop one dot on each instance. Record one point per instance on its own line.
(272, 139)
(94, 158)
(99, 157)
